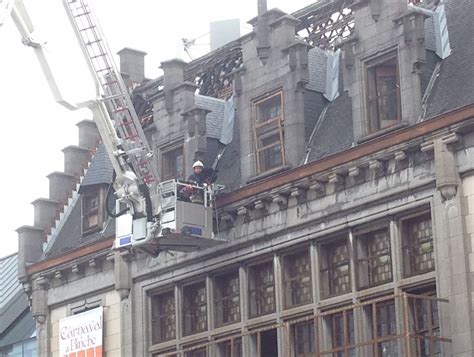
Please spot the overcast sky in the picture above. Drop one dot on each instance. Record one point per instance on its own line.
(35, 129)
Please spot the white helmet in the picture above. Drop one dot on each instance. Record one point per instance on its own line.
(198, 164)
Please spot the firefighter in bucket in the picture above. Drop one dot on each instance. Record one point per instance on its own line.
(200, 177)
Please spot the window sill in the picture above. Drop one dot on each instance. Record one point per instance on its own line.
(382, 132)
(268, 173)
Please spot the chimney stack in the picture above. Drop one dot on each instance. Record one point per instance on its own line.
(132, 66)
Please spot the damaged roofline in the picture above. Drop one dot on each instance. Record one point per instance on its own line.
(371, 147)
(357, 152)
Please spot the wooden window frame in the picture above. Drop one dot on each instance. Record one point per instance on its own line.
(93, 192)
(374, 121)
(277, 121)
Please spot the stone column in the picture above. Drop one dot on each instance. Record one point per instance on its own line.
(452, 253)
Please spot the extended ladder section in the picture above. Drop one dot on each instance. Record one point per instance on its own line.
(113, 91)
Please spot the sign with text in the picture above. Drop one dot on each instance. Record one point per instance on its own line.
(81, 334)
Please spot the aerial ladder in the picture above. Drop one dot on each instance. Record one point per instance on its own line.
(150, 215)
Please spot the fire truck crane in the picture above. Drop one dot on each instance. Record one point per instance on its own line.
(150, 215)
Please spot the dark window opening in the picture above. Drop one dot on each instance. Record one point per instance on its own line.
(342, 335)
(195, 308)
(230, 348)
(374, 263)
(384, 109)
(425, 323)
(173, 164)
(418, 246)
(268, 133)
(297, 279)
(261, 290)
(335, 268)
(383, 321)
(304, 339)
(264, 343)
(201, 352)
(92, 210)
(163, 317)
(227, 299)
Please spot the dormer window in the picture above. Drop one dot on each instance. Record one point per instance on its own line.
(383, 93)
(268, 132)
(92, 210)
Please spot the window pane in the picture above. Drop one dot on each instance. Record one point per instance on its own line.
(227, 299)
(173, 163)
(297, 279)
(230, 348)
(269, 109)
(336, 267)
(374, 258)
(304, 339)
(383, 95)
(269, 133)
(261, 290)
(164, 318)
(418, 245)
(195, 308)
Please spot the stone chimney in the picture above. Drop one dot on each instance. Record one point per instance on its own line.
(88, 134)
(179, 95)
(30, 247)
(132, 66)
(61, 187)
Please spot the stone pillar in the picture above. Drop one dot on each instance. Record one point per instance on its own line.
(452, 244)
(195, 142)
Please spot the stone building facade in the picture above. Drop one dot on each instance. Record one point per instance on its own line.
(344, 137)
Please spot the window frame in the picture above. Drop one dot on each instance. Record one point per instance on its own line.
(260, 291)
(326, 267)
(92, 192)
(158, 320)
(220, 298)
(374, 123)
(277, 121)
(363, 254)
(406, 246)
(187, 305)
(165, 161)
(288, 279)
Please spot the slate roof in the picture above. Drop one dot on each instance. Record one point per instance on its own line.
(214, 118)
(454, 87)
(69, 234)
(9, 284)
(100, 170)
(16, 321)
